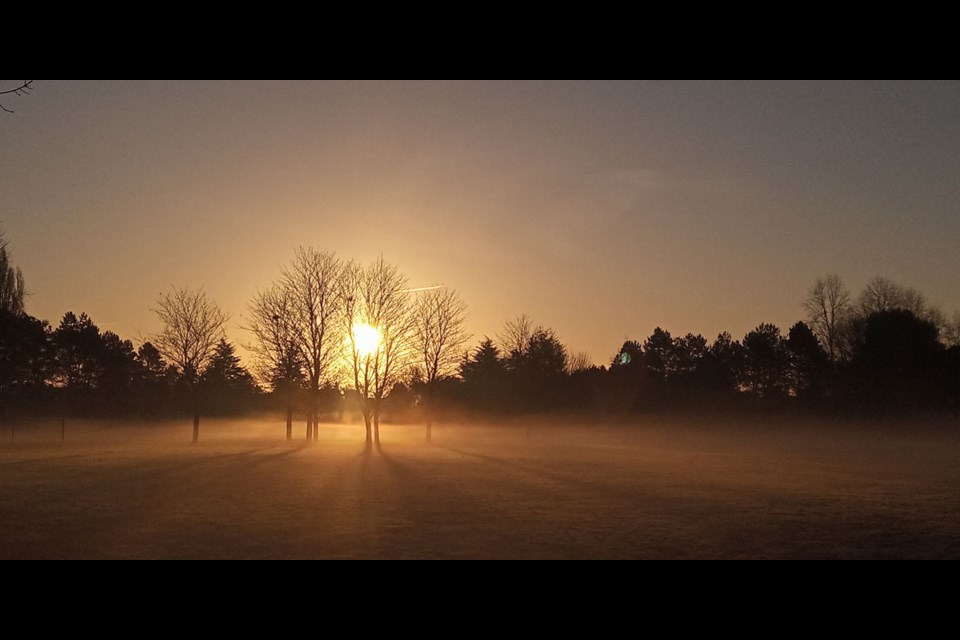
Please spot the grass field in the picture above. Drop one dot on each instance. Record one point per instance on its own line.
(651, 490)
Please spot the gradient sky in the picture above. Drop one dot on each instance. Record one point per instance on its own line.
(601, 209)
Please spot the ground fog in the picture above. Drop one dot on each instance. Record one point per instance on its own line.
(558, 490)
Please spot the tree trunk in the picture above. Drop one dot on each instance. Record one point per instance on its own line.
(429, 431)
(376, 429)
(196, 427)
(289, 423)
(366, 423)
(309, 427)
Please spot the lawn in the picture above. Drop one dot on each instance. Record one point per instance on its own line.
(659, 489)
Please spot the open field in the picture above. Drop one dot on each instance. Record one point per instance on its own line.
(653, 490)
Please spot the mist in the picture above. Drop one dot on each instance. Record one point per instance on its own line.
(558, 487)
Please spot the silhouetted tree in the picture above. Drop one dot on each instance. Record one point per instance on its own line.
(725, 365)
(896, 359)
(629, 356)
(193, 324)
(660, 355)
(439, 317)
(689, 352)
(484, 376)
(514, 338)
(24, 358)
(95, 371)
(766, 372)
(12, 289)
(227, 386)
(578, 362)
(545, 356)
(153, 382)
(279, 360)
(810, 363)
(538, 371)
(378, 310)
(880, 294)
(828, 308)
(78, 349)
(951, 331)
(626, 378)
(313, 290)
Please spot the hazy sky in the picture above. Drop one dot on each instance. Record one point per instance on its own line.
(599, 209)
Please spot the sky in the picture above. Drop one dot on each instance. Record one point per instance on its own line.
(600, 209)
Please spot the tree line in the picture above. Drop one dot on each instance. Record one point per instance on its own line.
(331, 335)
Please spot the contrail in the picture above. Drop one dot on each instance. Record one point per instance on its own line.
(436, 286)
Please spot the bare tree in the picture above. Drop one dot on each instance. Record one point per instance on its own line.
(21, 90)
(439, 337)
(313, 284)
(515, 336)
(277, 356)
(12, 289)
(881, 294)
(379, 322)
(192, 327)
(578, 362)
(828, 306)
(951, 331)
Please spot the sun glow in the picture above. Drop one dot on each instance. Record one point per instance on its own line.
(366, 339)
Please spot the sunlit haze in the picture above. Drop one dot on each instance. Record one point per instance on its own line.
(601, 209)
(366, 339)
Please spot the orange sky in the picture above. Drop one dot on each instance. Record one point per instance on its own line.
(600, 209)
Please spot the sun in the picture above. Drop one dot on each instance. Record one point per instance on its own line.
(366, 338)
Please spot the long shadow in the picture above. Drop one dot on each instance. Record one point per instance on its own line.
(561, 478)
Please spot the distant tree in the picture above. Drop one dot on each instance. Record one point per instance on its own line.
(193, 324)
(660, 354)
(277, 346)
(78, 351)
(153, 381)
(538, 371)
(723, 366)
(119, 371)
(439, 334)
(484, 375)
(689, 353)
(514, 338)
(809, 363)
(625, 380)
(951, 331)
(766, 372)
(226, 384)
(151, 362)
(12, 289)
(896, 359)
(881, 294)
(578, 362)
(545, 357)
(379, 323)
(828, 308)
(95, 371)
(313, 319)
(24, 358)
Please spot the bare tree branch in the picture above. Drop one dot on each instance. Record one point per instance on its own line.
(439, 334)
(377, 296)
(23, 90)
(192, 326)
